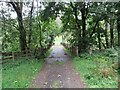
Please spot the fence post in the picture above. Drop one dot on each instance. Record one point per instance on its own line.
(26, 52)
(13, 56)
(2, 56)
(77, 50)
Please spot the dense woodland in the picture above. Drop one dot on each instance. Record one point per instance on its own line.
(85, 26)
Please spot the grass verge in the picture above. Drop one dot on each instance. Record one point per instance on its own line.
(97, 70)
(18, 74)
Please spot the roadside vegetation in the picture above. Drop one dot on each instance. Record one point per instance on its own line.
(99, 69)
(90, 30)
(18, 74)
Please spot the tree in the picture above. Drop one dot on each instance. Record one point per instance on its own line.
(106, 34)
(75, 10)
(18, 6)
(111, 34)
(111, 19)
(98, 36)
(30, 25)
(85, 24)
(118, 23)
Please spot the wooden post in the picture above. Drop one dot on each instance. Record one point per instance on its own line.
(77, 50)
(2, 56)
(90, 51)
(26, 52)
(13, 56)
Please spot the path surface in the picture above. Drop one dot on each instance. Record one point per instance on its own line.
(58, 72)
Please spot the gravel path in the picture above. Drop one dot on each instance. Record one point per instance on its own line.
(57, 72)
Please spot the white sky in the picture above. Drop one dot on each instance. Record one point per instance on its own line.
(26, 9)
(13, 15)
(59, 22)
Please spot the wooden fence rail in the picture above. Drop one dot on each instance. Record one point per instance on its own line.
(12, 55)
(4, 56)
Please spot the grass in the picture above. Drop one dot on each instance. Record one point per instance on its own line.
(97, 70)
(18, 74)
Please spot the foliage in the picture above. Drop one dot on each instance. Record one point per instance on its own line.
(95, 34)
(111, 52)
(97, 70)
(18, 74)
(83, 25)
(86, 25)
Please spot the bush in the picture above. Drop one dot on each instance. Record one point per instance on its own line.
(97, 69)
(111, 52)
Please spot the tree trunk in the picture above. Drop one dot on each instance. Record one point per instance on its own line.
(111, 34)
(23, 43)
(39, 26)
(18, 8)
(84, 30)
(94, 28)
(78, 26)
(106, 34)
(3, 29)
(30, 26)
(83, 13)
(83, 21)
(99, 39)
(118, 24)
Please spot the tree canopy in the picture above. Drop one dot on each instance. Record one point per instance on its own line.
(84, 24)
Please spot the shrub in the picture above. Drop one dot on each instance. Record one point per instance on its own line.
(111, 52)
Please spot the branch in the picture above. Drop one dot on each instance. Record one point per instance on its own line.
(14, 6)
(31, 11)
(75, 14)
(94, 27)
(72, 5)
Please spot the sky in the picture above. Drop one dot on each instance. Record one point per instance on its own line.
(14, 15)
(4, 7)
(59, 22)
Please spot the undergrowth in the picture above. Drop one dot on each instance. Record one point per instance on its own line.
(99, 69)
(18, 74)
